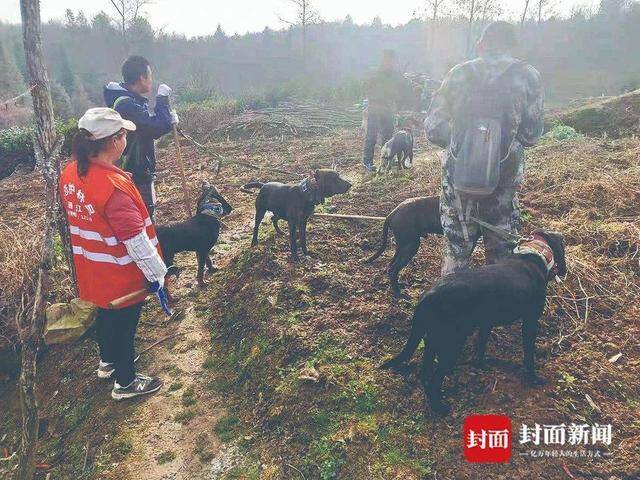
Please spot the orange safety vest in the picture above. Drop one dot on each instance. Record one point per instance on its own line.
(104, 269)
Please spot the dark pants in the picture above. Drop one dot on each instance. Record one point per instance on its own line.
(148, 196)
(116, 331)
(377, 123)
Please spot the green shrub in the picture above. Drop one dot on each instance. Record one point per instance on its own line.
(16, 145)
(563, 132)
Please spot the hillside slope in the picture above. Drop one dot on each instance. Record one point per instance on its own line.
(274, 372)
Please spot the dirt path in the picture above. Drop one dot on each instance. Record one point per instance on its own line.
(173, 432)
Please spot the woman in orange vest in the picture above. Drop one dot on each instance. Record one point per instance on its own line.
(115, 248)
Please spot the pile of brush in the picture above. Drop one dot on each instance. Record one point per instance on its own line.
(287, 120)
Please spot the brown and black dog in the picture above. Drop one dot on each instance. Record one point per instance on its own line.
(410, 221)
(295, 203)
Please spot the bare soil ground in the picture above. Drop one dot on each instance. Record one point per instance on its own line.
(274, 373)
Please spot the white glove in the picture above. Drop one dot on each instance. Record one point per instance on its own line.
(174, 118)
(164, 90)
(146, 256)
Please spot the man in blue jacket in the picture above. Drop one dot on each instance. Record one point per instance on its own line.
(129, 99)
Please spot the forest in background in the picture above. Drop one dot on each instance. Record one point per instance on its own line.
(589, 53)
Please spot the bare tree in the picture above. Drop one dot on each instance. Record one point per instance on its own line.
(434, 7)
(306, 15)
(544, 8)
(524, 12)
(128, 12)
(491, 9)
(47, 149)
(469, 8)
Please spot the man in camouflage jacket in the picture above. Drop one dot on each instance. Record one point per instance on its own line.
(523, 122)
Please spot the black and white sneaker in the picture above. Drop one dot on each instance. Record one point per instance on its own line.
(106, 370)
(141, 385)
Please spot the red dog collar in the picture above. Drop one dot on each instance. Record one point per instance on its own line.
(537, 245)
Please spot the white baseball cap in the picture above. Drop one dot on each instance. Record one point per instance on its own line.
(103, 122)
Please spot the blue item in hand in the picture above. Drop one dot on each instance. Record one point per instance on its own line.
(162, 297)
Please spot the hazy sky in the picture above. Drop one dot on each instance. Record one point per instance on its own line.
(200, 17)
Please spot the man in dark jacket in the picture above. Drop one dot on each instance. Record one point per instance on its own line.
(384, 89)
(128, 98)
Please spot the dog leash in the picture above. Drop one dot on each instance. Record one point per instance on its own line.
(222, 159)
(501, 232)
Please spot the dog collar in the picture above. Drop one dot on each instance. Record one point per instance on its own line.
(536, 245)
(212, 210)
(309, 188)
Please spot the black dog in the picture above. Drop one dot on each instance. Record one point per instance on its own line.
(400, 149)
(482, 298)
(198, 234)
(295, 203)
(411, 220)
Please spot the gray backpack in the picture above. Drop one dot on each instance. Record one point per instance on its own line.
(481, 141)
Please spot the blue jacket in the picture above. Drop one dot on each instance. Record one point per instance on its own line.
(149, 127)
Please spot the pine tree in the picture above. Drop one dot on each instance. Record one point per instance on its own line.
(11, 82)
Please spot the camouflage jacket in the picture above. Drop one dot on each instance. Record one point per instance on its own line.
(524, 120)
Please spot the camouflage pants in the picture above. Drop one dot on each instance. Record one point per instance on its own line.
(499, 209)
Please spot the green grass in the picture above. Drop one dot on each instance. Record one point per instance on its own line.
(227, 428)
(186, 415)
(188, 397)
(166, 457)
(175, 386)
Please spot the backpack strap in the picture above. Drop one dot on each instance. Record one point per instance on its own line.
(118, 100)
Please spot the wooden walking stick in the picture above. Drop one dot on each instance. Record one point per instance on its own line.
(118, 302)
(185, 189)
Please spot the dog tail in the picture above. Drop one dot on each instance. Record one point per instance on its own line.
(383, 244)
(247, 187)
(418, 330)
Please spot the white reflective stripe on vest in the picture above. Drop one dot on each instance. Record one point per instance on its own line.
(91, 235)
(101, 257)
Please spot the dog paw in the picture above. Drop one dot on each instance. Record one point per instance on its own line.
(534, 380)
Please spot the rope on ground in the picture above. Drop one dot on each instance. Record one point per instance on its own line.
(348, 217)
(222, 159)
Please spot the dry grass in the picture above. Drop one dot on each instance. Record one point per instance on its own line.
(19, 247)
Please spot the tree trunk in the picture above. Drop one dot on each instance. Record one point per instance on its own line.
(434, 18)
(47, 149)
(470, 29)
(524, 14)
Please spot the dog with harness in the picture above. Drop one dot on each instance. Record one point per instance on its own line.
(199, 233)
(479, 299)
(295, 203)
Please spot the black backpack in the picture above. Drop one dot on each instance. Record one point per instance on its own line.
(482, 142)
